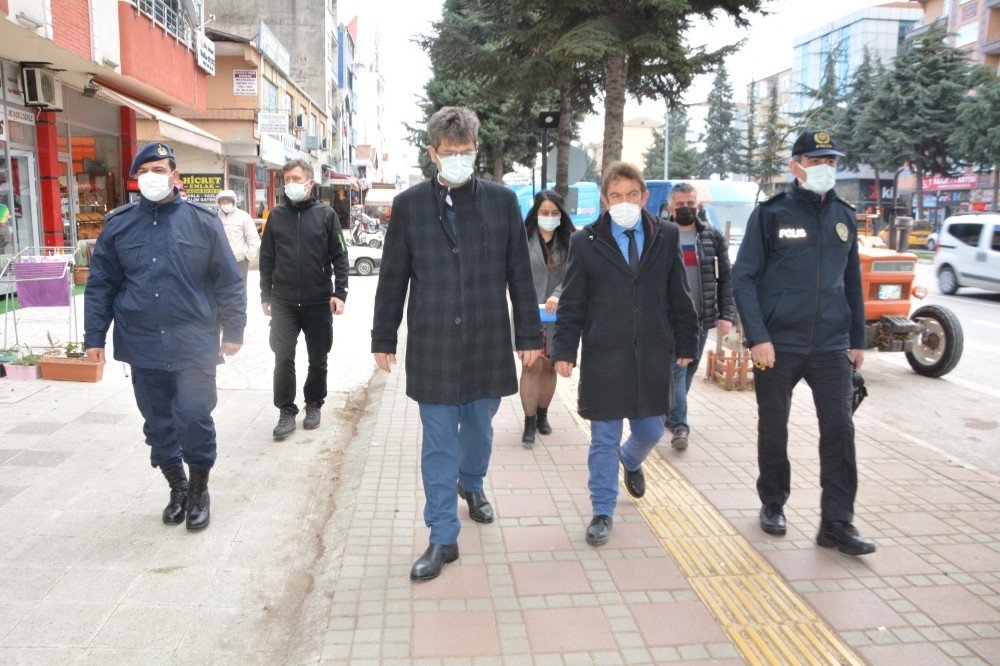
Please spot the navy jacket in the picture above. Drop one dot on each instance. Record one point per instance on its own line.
(797, 277)
(165, 275)
(630, 325)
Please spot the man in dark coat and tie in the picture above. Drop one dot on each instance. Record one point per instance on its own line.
(457, 244)
(625, 294)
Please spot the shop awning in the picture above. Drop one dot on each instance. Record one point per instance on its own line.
(169, 126)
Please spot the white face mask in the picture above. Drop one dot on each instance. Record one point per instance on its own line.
(227, 208)
(549, 223)
(820, 178)
(295, 191)
(457, 169)
(626, 214)
(155, 186)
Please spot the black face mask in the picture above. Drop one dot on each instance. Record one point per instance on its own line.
(685, 216)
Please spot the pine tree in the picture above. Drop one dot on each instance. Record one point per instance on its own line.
(928, 81)
(722, 139)
(771, 160)
(653, 158)
(824, 112)
(863, 123)
(684, 157)
(975, 138)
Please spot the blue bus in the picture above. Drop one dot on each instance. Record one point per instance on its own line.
(722, 200)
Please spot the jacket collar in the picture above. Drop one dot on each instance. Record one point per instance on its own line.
(803, 194)
(165, 206)
(305, 204)
(466, 189)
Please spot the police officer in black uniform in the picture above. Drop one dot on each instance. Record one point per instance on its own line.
(162, 270)
(797, 282)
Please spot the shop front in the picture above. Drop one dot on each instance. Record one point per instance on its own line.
(20, 212)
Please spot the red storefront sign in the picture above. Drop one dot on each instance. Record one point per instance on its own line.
(967, 181)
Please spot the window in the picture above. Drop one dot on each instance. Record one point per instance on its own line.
(313, 120)
(996, 239)
(270, 101)
(969, 10)
(966, 34)
(967, 232)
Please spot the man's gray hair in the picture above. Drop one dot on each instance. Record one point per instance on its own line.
(457, 124)
(300, 164)
(684, 188)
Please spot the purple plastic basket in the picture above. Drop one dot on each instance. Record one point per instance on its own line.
(42, 284)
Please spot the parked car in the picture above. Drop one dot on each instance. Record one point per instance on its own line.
(919, 235)
(967, 252)
(362, 259)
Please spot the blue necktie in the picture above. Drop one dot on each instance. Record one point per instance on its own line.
(449, 215)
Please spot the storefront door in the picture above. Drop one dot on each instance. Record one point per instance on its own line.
(67, 196)
(22, 201)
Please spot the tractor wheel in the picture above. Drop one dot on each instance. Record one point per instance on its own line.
(364, 266)
(947, 280)
(939, 347)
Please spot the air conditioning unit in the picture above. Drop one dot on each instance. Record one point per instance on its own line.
(42, 89)
(300, 122)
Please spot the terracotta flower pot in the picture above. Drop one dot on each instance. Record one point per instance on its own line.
(71, 369)
(24, 373)
(80, 274)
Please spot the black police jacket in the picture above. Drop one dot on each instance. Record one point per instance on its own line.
(302, 249)
(165, 274)
(797, 277)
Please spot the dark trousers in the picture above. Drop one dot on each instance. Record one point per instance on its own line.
(287, 321)
(829, 377)
(177, 407)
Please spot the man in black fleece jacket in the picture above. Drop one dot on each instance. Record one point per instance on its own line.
(301, 251)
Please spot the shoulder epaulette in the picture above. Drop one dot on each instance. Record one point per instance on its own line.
(203, 207)
(773, 198)
(120, 209)
(847, 203)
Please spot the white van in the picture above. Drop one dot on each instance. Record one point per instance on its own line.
(967, 253)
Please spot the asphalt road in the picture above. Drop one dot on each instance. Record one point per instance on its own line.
(960, 412)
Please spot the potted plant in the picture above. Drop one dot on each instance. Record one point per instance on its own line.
(73, 367)
(24, 367)
(8, 354)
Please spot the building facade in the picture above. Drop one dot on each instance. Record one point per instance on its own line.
(972, 25)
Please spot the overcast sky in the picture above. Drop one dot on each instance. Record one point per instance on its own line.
(405, 68)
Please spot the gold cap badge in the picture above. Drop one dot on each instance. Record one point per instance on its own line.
(822, 140)
(161, 149)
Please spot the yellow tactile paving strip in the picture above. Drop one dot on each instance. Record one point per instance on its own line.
(765, 619)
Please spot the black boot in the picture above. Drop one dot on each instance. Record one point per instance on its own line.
(429, 564)
(173, 513)
(198, 500)
(528, 438)
(542, 418)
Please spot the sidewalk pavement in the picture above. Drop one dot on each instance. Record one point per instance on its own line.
(312, 539)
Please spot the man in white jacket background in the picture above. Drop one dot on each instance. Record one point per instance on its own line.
(240, 230)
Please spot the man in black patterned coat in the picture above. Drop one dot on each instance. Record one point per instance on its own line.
(457, 243)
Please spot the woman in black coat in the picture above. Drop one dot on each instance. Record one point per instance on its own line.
(549, 228)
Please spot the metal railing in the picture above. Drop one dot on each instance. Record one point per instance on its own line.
(173, 22)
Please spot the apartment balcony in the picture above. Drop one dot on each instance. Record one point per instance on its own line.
(941, 21)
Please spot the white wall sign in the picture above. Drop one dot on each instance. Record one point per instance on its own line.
(13, 87)
(3, 125)
(272, 123)
(206, 54)
(245, 82)
(20, 116)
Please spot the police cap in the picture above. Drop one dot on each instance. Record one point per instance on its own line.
(815, 143)
(154, 152)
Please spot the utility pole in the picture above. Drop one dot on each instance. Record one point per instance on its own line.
(666, 144)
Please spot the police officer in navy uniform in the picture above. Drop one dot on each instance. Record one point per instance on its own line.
(162, 270)
(797, 282)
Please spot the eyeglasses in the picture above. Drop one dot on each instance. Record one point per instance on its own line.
(449, 153)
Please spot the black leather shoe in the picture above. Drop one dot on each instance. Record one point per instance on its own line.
(844, 537)
(635, 482)
(286, 425)
(599, 530)
(429, 564)
(772, 519)
(530, 426)
(480, 509)
(311, 421)
(173, 513)
(542, 421)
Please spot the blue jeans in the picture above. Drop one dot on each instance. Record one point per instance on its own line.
(177, 407)
(605, 452)
(683, 376)
(457, 443)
